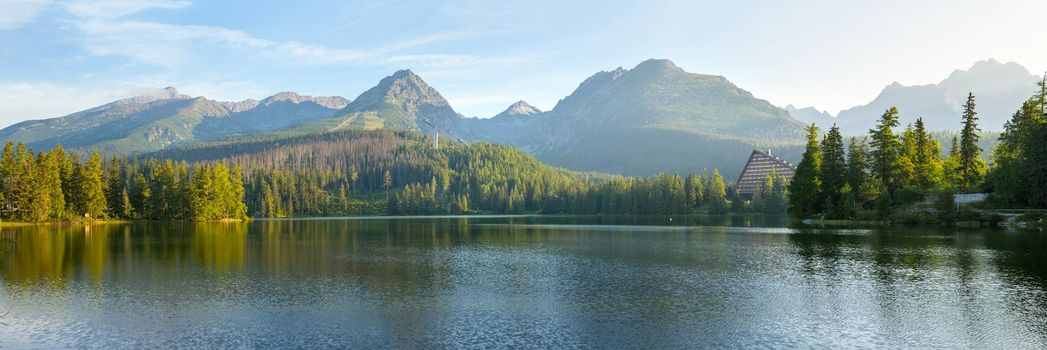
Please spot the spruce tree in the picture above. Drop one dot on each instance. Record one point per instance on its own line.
(929, 172)
(858, 173)
(1036, 170)
(717, 198)
(886, 151)
(52, 178)
(972, 167)
(7, 170)
(805, 189)
(91, 188)
(833, 173)
(39, 208)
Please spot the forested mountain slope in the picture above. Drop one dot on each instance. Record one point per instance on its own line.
(399, 172)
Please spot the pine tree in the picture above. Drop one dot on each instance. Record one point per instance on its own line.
(39, 208)
(907, 162)
(7, 186)
(717, 197)
(886, 151)
(805, 188)
(1036, 169)
(972, 167)
(18, 184)
(235, 201)
(51, 177)
(951, 165)
(930, 175)
(114, 186)
(91, 188)
(128, 209)
(694, 190)
(858, 173)
(833, 173)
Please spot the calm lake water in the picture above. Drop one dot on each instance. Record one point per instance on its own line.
(526, 282)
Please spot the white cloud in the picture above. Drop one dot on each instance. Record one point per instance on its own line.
(119, 8)
(158, 43)
(106, 32)
(15, 13)
(170, 45)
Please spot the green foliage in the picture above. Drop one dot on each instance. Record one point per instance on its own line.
(805, 198)
(1019, 163)
(972, 167)
(928, 158)
(834, 173)
(862, 188)
(347, 172)
(90, 194)
(886, 152)
(55, 186)
(215, 193)
(901, 170)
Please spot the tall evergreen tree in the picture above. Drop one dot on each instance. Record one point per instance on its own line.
(972, 167)
(929, 172)
(805, 188)
(833, 173)
(91, 190)
(886, 151)
(858, 173)
(52, 180)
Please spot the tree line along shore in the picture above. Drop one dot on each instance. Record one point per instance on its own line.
(904, 177)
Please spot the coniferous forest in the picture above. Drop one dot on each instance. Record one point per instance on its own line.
(339, 173)
(400, 173)
(888, 172)
(56, 186)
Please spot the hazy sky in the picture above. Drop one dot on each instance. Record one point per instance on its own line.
(58, 57)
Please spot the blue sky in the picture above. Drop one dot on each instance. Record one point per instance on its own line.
(64, 56)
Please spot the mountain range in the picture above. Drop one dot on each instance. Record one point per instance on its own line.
(999, 89)
(166, 119)
(651, 118)
(654, 117)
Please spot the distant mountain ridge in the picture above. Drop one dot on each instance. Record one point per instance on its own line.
(165, 118)
(809, 115)
(654, 117)
(999, 89)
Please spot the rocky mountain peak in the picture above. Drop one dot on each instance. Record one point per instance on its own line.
(402, 87)
(333, 102)
(404, 73)
(519, 109)
(657, 64)
(237, 107)
(147, 95)
(285, 96)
